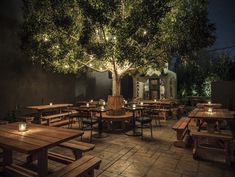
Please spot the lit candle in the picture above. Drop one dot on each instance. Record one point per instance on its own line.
(87, 105)
(102, 108)
(155, 100)
(22, 126)
(91, 101)
(209, 110)
(104, 103)
(141, 103)
(134, 106)
(51, 104)
(209, 102)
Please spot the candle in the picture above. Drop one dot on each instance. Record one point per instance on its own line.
(51, 104)
(209, 110)
(87, 105)
(91, 101)
(22, 126)
(155, 100)
(102, 108)
(134, 106)
(209, 102)
(141, 103)
(104, 103)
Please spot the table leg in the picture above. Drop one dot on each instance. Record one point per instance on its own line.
(134, 132)
(42, 163)
(100, 128)
(211, 126)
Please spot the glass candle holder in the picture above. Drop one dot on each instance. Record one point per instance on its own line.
(210, 110)
(155, 100)
(104, 103)
(133, 106)
(102, 108)
(141, 103)
(91, 101)
(87, 105)
(22, 126)
(209, 102)
(50, 104)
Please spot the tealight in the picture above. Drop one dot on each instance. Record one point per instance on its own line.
(209, 102)
(91, 101)
(210, 110)
(125, 102)
(102, 108)
(87, 105)
(51, 104)
(104, 103)
(134, 106)
(141, 103)
(155, 100)
(22, 126)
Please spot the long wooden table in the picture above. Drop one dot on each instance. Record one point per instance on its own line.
(41, 108)
(36, 140)
(210, 117)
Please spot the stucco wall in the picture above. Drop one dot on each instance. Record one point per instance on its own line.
(21, 83)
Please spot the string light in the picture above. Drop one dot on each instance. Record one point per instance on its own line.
(145, 32)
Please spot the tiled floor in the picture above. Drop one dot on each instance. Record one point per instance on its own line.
(126, 156)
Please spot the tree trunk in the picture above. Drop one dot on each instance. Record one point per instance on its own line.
(115, 101)
(116, 84)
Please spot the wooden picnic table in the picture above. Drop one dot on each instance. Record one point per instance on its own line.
(209, 105)
(41, 108)
(210, 118)
(36, 140)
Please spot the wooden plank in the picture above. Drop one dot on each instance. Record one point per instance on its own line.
(73, 144)
(60, 123)
(72, 166)
(84, 168)
(46, 131)
(78, 167)
(44, 107)
(179, 122)
(60, 158)
(17, 145)
(213, 135)
(18, 171)
(56, 115)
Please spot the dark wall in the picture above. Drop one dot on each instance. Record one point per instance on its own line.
(224, 92)
(93, 85)
(22, 83)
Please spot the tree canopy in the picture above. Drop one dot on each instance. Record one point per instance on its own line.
(113, 35)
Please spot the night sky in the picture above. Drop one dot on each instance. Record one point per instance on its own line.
(221, 12)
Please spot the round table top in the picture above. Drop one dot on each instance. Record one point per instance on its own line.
(124, 117)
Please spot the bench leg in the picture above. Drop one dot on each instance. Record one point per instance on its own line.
(195, 147)
(77, 154)
(30, 158)
(227, 153)
(180, 134)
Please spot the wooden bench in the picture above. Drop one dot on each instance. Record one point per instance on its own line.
(58, 119)
(77, 147)
(181, 128)
(19, 171)
(221, 143)
(84, 166)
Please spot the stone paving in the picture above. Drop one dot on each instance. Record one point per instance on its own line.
(126, 156)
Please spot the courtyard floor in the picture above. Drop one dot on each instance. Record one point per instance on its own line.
(126, 156)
